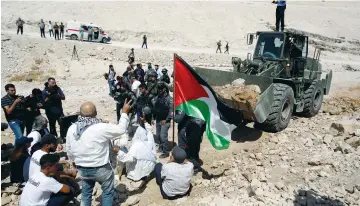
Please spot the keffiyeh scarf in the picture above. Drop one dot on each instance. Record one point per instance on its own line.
(83, 123)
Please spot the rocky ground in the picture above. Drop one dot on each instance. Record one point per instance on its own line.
(315, 161)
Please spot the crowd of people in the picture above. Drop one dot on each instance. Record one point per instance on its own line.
(98, 151)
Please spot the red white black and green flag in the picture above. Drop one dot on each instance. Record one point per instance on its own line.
(197, 99)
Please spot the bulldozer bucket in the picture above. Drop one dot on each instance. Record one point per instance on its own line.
(263, 105)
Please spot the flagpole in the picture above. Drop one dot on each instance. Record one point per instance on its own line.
(173, 117)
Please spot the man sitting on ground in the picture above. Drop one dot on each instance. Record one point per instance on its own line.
(42, 189)
(174, 177)
(141, 158)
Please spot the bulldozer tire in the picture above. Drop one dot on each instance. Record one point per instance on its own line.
(281, 109)
(313, 99)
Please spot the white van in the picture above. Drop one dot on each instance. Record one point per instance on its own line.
(72, 31)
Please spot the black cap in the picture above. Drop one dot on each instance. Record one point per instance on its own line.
(178, 154)
(49, 159)
(164, 70)
(48, 139)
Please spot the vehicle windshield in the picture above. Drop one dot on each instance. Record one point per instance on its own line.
(269, 46)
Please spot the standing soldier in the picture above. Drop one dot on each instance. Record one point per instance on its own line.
(61, 30)
(226, 47)
(42, 28)
(56, 29)
(218, 46)
(190, 132)
(152, 83)
(149, 70)
(131, 57)
(140, 73)
(165, 77)
(280, 13)
(20, 25)
(163, 106)
(144, 41)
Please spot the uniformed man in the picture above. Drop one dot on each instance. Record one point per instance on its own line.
(131, 57)
(165, 77)
(149, 70)
(226, 48)
(120, 93)
(144, 100)
(163, 106)
(190, 132)
(152, 83)
(218, 46)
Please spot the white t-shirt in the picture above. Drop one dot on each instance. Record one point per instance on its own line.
(135, 86)
(35, 162)
(38, 190)
(36, 136)
(50, 26)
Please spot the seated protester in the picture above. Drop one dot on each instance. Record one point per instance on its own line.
(48, 144)
(39, 130)
(17, 159)
(42, 189)
(174, 177)
(141, 158)
(26, 168)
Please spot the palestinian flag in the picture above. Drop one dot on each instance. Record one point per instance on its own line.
(197, 99)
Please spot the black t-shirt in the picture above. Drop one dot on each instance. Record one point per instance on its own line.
(32, 103)
(17, 114)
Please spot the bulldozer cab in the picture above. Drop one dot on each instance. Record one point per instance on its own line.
(270, 46)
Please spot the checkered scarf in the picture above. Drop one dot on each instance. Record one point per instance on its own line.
(83, 123)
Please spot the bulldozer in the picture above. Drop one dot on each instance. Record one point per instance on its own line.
(290, 81)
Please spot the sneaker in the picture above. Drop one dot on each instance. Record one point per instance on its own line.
(164, 155)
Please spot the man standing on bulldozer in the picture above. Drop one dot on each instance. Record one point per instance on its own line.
(280, 13)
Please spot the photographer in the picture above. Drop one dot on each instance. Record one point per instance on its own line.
(14, 110)
(52, 96)
(32, 103)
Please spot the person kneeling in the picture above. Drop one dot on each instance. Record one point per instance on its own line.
(40, 187)
(174, 177)
(141, 158)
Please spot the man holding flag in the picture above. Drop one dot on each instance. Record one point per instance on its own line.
(197, 99)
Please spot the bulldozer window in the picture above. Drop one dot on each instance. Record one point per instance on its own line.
(269, 46)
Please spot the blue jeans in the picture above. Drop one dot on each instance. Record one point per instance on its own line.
(17, 127)
(104, 175)
(111, 84)
(60, 199)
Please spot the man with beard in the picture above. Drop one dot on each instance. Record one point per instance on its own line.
(52, 100)
(48, 144)
(163, 106)
(14, 110)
